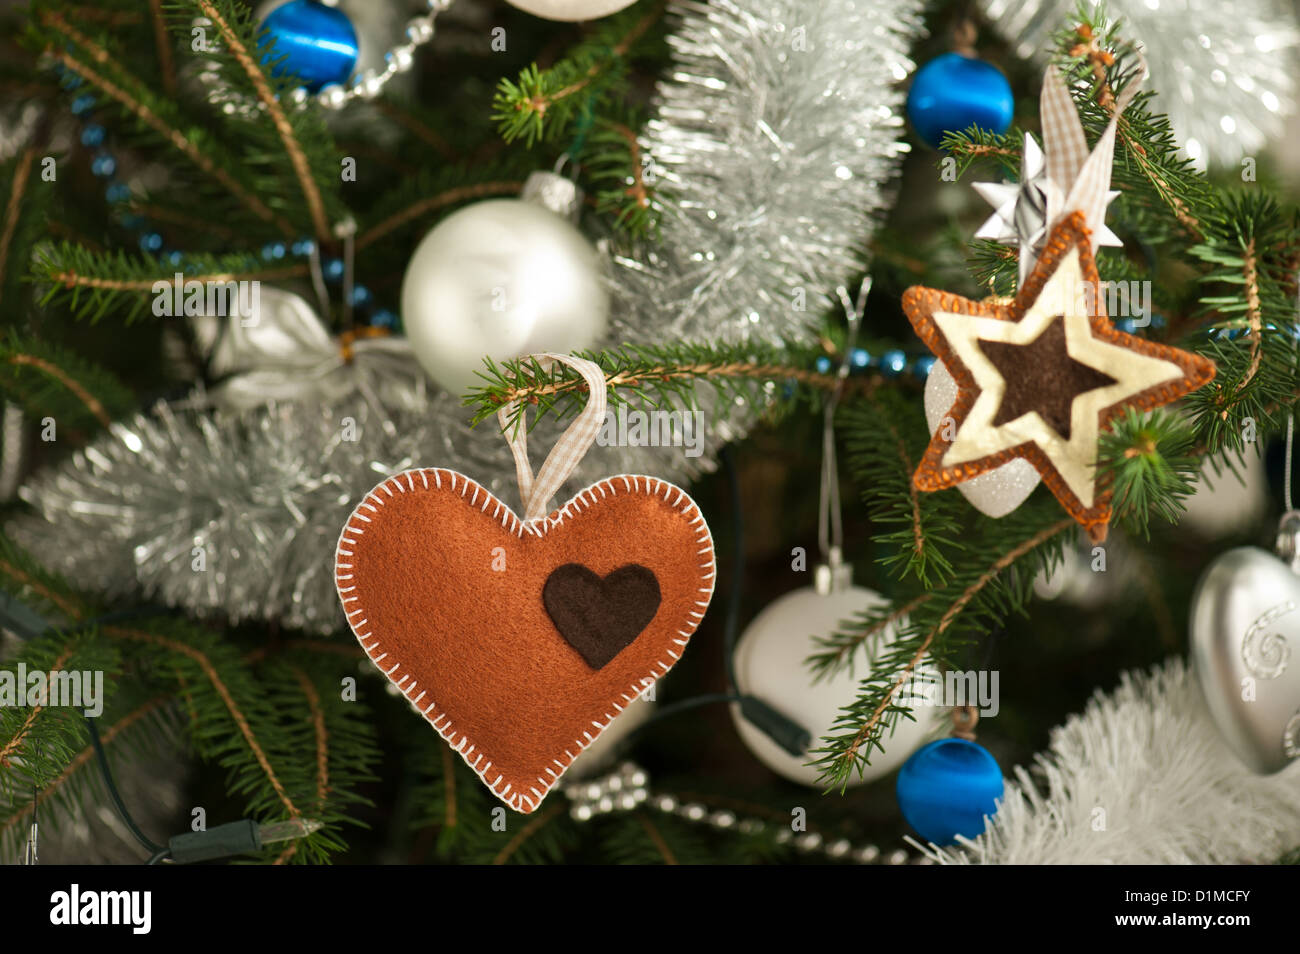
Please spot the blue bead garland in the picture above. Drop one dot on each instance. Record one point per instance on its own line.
(117, 193)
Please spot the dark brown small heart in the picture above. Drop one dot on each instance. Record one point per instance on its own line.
(598, 618)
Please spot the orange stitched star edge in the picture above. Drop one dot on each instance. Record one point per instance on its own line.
(920, 304)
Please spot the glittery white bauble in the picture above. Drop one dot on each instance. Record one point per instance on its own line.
(500, 278)
(997, 492)
(1225, 506)
(601, 753)
(770, 664)
(571, 9)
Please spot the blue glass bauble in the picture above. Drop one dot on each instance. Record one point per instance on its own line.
(320, 40)
(947, 787)
(954, 92)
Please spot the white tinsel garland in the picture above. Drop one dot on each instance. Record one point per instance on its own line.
(773, 143)
(1142, 776)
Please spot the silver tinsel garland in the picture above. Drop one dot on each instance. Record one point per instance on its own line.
(1222, 72)
(773, 145)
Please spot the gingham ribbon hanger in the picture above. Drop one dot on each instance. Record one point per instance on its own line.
(1078, 179)
(535, 493)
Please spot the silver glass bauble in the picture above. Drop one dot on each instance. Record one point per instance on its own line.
(570, 9)
(501, 278)
(1245, 646)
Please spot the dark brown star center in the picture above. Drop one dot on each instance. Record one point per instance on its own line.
(1041, 376)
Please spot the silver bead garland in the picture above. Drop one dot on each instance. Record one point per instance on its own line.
(365, 85)
(627, 788)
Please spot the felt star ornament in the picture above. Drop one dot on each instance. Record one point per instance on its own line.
(1043, 377)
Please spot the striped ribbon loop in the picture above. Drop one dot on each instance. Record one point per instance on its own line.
(535, 493)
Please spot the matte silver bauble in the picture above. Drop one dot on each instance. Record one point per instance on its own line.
(501, 279)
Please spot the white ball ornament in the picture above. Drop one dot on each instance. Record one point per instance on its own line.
(998, 492)
(570, 10)
(770, 665)
(500, 279)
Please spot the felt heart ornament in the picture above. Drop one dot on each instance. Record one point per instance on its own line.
(520, 639)
(1245, 647)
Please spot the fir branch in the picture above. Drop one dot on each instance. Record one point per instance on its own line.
(321, 733)
(885, 433)
(162, 43)
(423, 131)
(656, 838)
(13, 207)
(542, 103)
(860, 727)
(1149, 462)
(527, 832)
(614, 164)
(90, 284)
(1250, 276)
(205, 665)
(1097, 65)
(841, 647)
(196, 149)
(432, 204)
(10, 750)
(73, 766)
(286, 132)
(40, 377)
(652, 375)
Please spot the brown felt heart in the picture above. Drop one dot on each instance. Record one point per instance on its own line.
(599, 617)
(520, 642)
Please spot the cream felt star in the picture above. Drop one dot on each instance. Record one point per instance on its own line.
(1042, 378)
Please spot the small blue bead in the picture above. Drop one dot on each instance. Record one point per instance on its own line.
(70, 81)
(175, 258)
(953, 92)
(82, 104)
(1126, 325)
(823, 365)
(92, 135)
(103, 165)
(923, 366)
(1157, 321)
(278, 249)
(333, 269)
(320, 43)
(303, 247)
(893, 362)
(117, 192)
(132, 221)
(151, 241)
(383, 318)
(360, 296)
(860, 358)
(947, 787)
